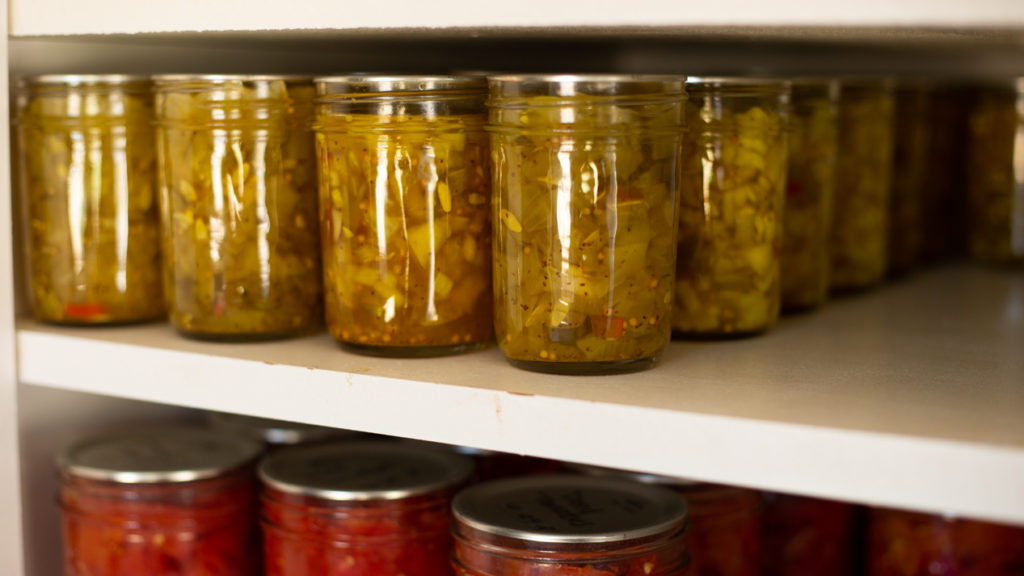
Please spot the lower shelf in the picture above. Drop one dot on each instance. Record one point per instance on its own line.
(911, 396)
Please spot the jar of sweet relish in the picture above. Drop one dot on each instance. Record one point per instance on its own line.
(730, 209)
(995, 177)
(914, 544)
(802, 536)
(86, 167)
(913, 131)
(164, 500)
(860, 228)
(562, 525)
(238, 193)
(586, 176)
(359, 509)
(405, 201)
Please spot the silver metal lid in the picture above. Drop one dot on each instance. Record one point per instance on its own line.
(371, 470)
(83, 79)
(642, 477)
(569, 509)
(157, 454)
(570, 85)
(275, 432)
(369, 85)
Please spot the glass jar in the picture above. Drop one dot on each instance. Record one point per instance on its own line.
(161, 500)
(359, 509)
(995, 181)
(724, 535)
(811, 174)
(585, 194)
(911, 164)
(860, 228)
(803, 536)
(238, 198)
(914, 544)
(405, 198)
(563, 525)
(946, 176)
(87, 173)
(730, 216)
(275, 434)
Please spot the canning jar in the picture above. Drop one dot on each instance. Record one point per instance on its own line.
(946, 177)
(912, 132)
(860, 228)
(803, 536)
(161, 500)
(238, 199)
(405, 210)
(811, 173)
(562, 525)
(915, 544)
(359, 509)
(585, 177)
(730, 217)
(87, 173)
(995, 179)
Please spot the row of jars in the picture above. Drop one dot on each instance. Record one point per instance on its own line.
(185, 501)
(582, 223)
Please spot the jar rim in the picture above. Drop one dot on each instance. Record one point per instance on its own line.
(166, 79)
(367, 84)
(84, 79)
(157, 454)
(536, 509)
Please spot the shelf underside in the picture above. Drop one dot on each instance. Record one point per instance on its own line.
(912, 395)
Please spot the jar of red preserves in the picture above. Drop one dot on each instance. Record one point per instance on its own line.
(162, 501)
(914, 544)
(804, 536)
(359, 509)
(563, 525)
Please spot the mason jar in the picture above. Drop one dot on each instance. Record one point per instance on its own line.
(86, 169)
(995, 176)
(730, 210)
(860, 229)
(238, 198)
(585, 183)
(913, 131)
(563, 524)
(359, 509)
(813, 131)
(802, 535)
(405, 198)
(159, 500)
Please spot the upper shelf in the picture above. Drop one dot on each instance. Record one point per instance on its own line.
(60, 17)
(910, 396)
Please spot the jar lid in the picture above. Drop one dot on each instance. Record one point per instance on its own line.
(157, 454)
(367, 470)
(274, 432)
(569, 509)
(642, 477)
(84, 79)
(567, 85)
(370, 85)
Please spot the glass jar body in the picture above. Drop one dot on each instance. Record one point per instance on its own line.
(996, 178)
(405, 214)
(308, 536)
(239, 204)
(584, 220)
(87, 173)
(803, 535)
(913, 130)
(201, 528)
(724, 537)
(914, 544)
(810, 181)
(730, 215)
(860, 228)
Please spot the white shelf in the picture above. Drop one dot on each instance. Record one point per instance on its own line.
(61, 17)
(911, 396)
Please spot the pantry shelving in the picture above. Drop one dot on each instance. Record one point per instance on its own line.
(910, 396)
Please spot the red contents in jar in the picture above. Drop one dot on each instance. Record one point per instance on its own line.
(304, 536)
(201, 528)
(806, 536)
(725, 530)
(913, 544)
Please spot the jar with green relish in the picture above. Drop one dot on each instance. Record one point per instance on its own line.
(585, 181)
(995, 177)
(860, 228)
(913, 130)
(238, 183)
(811, 173)
(86, 169)
(405, 211)
(730, 209)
